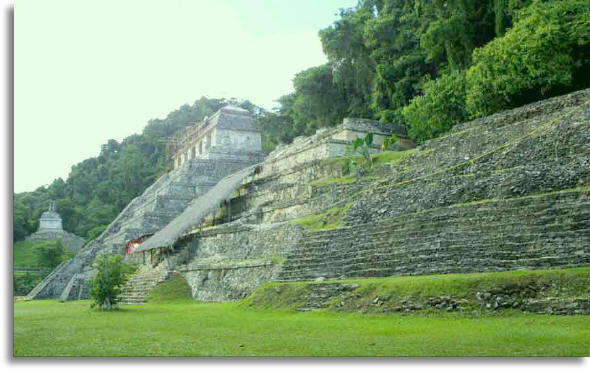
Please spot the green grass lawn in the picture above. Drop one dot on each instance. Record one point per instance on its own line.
(188, 328)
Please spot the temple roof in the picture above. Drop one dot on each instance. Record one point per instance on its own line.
(232, 117)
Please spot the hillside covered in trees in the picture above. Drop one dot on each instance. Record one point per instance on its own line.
(428, 64)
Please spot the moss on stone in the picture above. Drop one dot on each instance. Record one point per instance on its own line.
(378, 160)
(583, 188)
(278, 260)
(460, 292)
(391, 156)
(333, 181)
(173, 289)
(277, 296)
(331, 219)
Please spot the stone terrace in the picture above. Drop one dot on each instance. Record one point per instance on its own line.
(508, 191)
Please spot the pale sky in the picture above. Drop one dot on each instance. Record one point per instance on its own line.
(91, 70)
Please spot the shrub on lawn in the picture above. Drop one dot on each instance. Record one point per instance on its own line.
(111, 273)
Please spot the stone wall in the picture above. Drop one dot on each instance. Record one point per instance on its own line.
(230, 261)
(540, 231)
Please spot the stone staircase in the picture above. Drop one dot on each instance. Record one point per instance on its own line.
(509, 191)
(39, 287)
(537, 231)
(142, 282)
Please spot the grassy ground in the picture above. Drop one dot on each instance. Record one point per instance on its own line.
(172, 324)
(25, 256)
(174, 289)
(188, 328)
(391, 291)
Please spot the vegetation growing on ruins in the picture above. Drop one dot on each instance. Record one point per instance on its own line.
(186, 328)
(377, 160)
(174, 289)
(349, 179)
(358, 156)
(422, 294)
(331, 219)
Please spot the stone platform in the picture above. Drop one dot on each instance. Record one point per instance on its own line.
(70, 242)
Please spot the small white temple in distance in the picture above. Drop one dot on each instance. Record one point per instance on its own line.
(50, 220)
(51, 228)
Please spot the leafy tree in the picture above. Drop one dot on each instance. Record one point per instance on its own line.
(545, 53)
(275, 128)
(394, 40)
(23, 284)
(96, 231)
(111, 274)
(317, 102)
(440, 108)
(353, 69)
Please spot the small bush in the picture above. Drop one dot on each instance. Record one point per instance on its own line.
(441, 107)
(111, 273)
(358, 157)
(24, 283)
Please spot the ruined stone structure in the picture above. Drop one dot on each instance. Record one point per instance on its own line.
(166, 198)
(231, 133)
(50, 228)
(508, 191)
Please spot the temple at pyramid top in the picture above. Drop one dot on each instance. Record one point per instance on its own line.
(50, 219)
(231, 133)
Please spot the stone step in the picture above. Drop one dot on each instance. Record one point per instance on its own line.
(142, 282)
